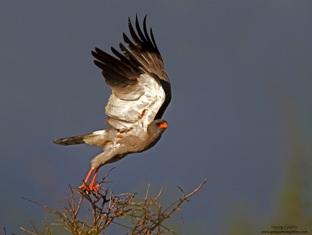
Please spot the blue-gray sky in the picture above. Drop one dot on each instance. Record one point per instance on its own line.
(241, 79)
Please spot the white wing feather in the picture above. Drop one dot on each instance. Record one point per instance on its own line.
(127, 113)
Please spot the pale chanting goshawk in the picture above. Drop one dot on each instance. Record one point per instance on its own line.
(141, 92)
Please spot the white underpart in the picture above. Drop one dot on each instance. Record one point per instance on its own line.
(100, 132)
(124, 111)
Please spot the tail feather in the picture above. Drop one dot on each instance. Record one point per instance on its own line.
(97, 138)
(79, 139)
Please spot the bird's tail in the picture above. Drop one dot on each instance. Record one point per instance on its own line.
(98, 138)
(79, 139)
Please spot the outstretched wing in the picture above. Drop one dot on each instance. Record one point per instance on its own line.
(140, 86)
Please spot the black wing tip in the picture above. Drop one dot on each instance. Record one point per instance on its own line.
(125, 65)
(145, 38)
(96, 50)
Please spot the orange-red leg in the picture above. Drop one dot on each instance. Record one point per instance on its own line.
(91, 186)
(84, 184)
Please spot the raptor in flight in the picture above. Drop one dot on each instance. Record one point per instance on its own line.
(141, 92)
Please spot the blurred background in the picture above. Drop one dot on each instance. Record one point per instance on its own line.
(240, 115)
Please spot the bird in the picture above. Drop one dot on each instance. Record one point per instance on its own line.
(141, 92)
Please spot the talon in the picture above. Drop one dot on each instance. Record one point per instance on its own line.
(84, 188)
(94, 188)
(91, 187)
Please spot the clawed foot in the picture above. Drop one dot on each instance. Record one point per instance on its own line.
(91, 188)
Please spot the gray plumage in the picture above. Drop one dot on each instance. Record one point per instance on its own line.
(141, 92)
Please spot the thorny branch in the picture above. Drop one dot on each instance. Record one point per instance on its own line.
(137, 217)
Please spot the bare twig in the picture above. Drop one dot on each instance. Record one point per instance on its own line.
(146, 216)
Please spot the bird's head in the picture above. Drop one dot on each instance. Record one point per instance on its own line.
(155, 130)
